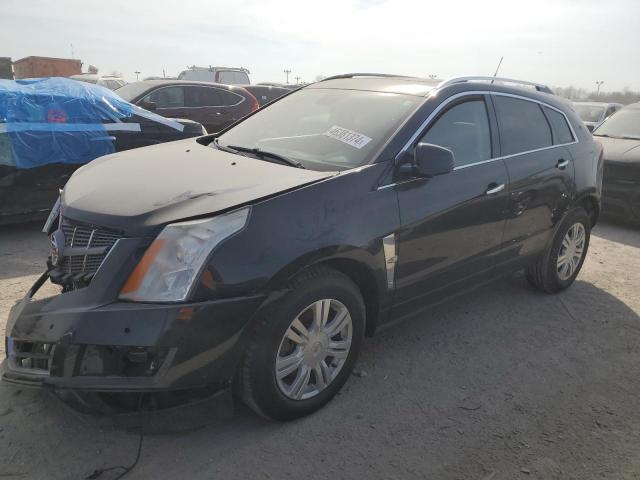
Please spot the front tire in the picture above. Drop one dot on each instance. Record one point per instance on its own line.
(558, 268)
(303, 348)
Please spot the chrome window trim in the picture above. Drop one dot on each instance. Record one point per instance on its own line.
(427, 123)
(242, 99)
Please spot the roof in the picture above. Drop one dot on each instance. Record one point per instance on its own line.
(153, 83)
(391, 84)
(423, 86)
(46, 58)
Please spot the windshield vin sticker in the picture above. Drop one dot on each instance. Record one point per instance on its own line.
(347, 136)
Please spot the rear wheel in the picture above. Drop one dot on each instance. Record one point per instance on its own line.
(561, 263)
(302, 349)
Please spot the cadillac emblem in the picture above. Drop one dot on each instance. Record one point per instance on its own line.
(57, 245)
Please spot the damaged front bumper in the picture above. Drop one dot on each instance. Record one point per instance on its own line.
(76, 341)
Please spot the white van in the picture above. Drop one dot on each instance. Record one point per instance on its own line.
(229, 76)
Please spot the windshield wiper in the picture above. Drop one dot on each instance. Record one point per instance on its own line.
(222, 147)
(264, 153)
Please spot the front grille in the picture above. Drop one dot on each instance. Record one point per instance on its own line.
(85, 248)
(32, 357)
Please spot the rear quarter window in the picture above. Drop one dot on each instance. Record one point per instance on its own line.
(561, 131)
(523, 126)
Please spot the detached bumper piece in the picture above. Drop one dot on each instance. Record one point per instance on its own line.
(85, 340)
(37, 363)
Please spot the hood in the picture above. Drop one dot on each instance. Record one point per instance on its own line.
(139, 190)
(620, 149)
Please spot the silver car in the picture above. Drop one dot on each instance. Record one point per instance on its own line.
(594, 113)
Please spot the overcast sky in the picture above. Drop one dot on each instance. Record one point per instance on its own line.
(560, 42)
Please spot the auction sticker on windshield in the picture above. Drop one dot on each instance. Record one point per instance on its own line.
(347, 136)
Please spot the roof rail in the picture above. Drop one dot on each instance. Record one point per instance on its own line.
(352, 75)
(538, 86)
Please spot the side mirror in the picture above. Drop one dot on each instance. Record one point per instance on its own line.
(147, 105)
(432, 160)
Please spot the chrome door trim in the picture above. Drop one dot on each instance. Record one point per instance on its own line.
(390, 259)
(242, 99)
(423, 127)
(427, 123)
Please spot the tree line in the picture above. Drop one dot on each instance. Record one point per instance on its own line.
(626, 96)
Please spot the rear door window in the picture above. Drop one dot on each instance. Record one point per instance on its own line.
(167, 97)
(463, 129)
(523, 126)
(203, 97)
(561, 131)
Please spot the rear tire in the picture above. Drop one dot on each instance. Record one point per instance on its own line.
(294, 362)
(558, 268)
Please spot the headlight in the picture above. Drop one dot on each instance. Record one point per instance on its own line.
(176, 257)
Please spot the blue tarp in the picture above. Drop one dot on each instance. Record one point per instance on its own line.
(57, 120)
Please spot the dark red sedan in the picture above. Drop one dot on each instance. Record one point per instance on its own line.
(212, 104)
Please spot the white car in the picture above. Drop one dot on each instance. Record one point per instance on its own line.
(112, 83)
(594, 113)
(226, 75)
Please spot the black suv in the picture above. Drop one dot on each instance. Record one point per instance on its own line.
(260, 258)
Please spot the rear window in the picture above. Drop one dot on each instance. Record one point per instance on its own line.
(561, 131)
(232, 77)
(523, 126)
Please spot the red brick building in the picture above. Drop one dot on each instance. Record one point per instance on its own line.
(33, 67)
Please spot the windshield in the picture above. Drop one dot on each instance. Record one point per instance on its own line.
(324, 129)
(589, 113)
(624, 123)
(130, 91)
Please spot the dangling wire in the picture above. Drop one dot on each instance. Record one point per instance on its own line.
(99, 471)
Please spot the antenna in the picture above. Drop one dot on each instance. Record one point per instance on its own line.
(72, 56)
(497, 68)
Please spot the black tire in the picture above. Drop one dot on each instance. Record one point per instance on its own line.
(543, 274)
(256, 380)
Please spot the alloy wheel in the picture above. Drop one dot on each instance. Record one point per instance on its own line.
(571, 251)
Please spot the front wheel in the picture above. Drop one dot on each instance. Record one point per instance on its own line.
(561, 263)
(302, 349)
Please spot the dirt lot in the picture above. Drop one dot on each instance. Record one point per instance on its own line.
(502, 383)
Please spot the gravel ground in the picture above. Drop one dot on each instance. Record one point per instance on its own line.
(503, 383)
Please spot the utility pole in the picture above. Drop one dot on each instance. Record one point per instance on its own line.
(599, 84)
(72, 53)
(432, 76)
(137, 73)
(297, 79)
(287, 72)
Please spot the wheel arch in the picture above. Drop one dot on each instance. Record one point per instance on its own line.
(361, 266)
(591, 205)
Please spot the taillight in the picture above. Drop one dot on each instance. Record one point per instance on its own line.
(255, 105)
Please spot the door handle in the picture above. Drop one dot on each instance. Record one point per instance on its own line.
(562, 163)
(494, 188)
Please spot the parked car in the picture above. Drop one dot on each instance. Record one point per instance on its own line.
(288, 86)
(225, 75)
(594, 113)
(111, 82)
(262, 256)
(213, 105)
(51, 127)
(620, 138)
(266, 93)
